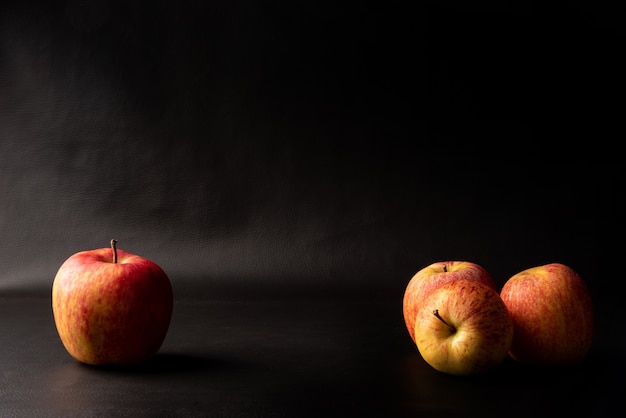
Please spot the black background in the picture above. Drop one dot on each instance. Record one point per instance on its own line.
(312, 148)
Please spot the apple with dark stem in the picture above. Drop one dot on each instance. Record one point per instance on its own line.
(111, 307)
(433, 276)
(463, 328)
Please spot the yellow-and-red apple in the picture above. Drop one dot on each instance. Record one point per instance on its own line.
(433, 276)
(111, 307)
(552, 312)
(463, 328)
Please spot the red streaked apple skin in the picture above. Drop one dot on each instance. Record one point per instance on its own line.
(552, 312)
(433, 276)
(111, 313)
(481, 333)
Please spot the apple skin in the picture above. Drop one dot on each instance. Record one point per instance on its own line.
(553, 315)
(110, 313)
(476, 335)
(433, 276)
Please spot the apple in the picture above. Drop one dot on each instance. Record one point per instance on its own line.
(111, 307)
(553, 315)
(433, 276)
(463, 328)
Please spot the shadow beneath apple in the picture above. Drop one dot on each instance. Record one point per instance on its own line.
(173, 363)
(513, 374)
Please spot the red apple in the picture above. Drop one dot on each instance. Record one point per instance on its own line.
(111, 307)
(463, 328)
(433, 276)
(552, 310)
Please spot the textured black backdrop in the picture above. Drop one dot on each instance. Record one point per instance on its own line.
(325, 143)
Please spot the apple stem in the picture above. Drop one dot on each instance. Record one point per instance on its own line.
(113, 242)
(445, 268)
(436, 313)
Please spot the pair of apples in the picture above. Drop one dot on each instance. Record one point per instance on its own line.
(462, 325)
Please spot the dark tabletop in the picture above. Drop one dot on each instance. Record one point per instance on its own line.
(287, 354)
